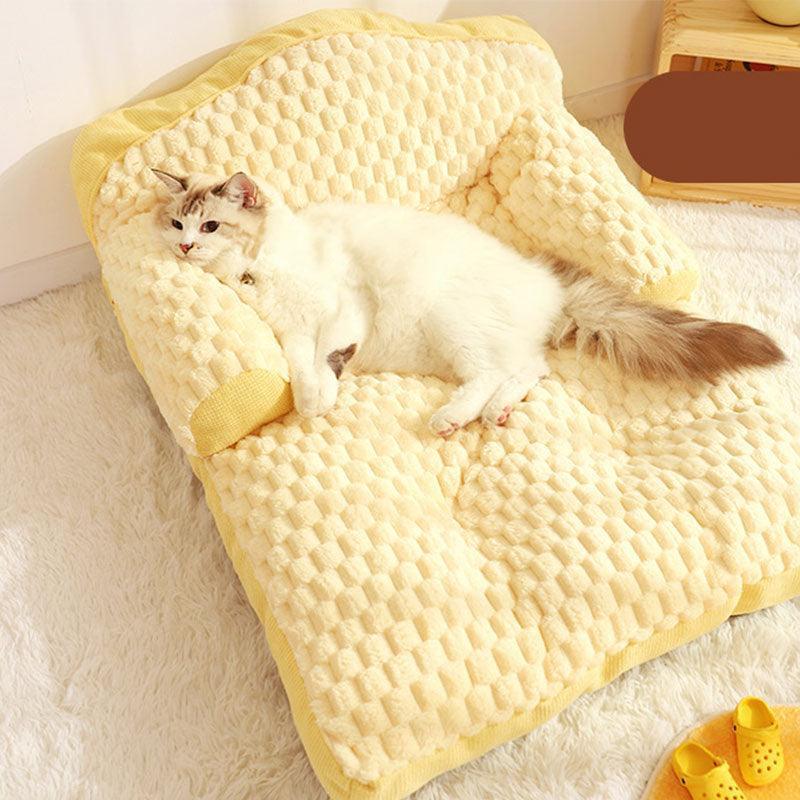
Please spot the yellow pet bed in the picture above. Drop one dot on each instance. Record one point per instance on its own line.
(426, 600)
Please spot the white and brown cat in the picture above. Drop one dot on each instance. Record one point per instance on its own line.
(389, 288)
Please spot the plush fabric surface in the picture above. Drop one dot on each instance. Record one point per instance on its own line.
(131, 664)
(463, 116)
(427, 600)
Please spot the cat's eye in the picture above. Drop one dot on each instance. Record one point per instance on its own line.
(176, 223)
(210, 226)
(247, 279)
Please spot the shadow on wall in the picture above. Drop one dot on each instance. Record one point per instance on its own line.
(36, 192)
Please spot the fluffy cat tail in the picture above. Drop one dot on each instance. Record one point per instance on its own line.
(601, 318)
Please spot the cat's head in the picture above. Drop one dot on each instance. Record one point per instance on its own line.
(204, 217)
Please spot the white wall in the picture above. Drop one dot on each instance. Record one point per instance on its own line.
(65, 62)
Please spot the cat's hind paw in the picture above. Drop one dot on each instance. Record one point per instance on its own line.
(442, 424)
(494, 415)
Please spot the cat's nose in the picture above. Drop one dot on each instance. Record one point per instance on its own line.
(186, 247)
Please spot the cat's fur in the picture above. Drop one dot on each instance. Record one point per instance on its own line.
(390, 288)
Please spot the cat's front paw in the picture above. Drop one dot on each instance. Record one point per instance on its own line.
(328, 390)
(314, 396)
(305, 392)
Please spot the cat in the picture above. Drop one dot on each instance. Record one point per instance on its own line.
(389, 288)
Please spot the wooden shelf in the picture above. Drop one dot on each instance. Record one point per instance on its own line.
(723, 29)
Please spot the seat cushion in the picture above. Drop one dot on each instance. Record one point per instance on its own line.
(428, 599)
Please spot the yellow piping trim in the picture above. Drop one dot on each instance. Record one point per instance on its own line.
(237, 407)
(670, 289)
(405, 780)
(107, 139)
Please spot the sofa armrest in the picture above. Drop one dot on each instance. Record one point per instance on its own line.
(214, 367)
(566, 195)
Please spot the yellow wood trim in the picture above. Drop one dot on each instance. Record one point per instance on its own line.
(106, 140)
(728, 29)
(406, 780)
(785, 195)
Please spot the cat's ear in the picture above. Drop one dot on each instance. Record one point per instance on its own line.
(175, 185)
(240, 189)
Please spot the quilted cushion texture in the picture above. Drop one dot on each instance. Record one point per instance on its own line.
(190, 333)
(428, 590)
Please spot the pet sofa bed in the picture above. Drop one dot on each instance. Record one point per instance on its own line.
(425, 599)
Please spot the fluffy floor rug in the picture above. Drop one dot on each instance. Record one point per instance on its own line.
(130, 663)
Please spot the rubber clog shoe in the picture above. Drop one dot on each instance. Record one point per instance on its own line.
(758, 742)
(706, 776)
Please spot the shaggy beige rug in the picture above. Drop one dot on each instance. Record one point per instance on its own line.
(130, 663)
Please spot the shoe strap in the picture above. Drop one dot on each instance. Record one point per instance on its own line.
(721, 769)
(770, 732)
